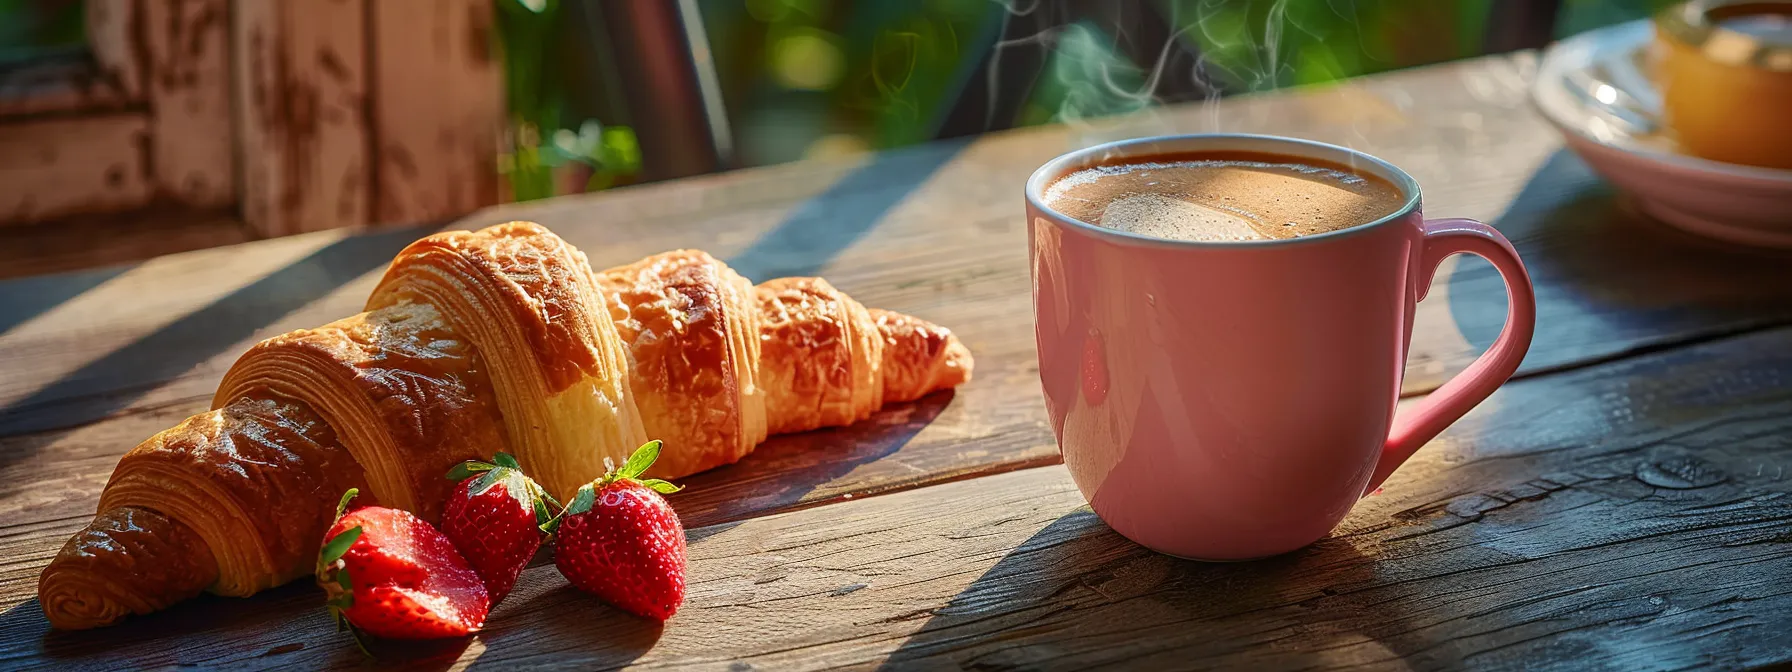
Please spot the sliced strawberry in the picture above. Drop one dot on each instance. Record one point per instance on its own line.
(621, 541)
(389, 574)
(494, 519)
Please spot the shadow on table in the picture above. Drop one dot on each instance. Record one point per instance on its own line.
(787, 469)
(27, 297)
(266, 627)
(1606, 274)
(288, 628)
(113, 381)
(1077, 595)
(822, 226)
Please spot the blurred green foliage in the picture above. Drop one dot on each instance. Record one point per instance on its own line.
(817, 77)
(33, 28)
(542, 150)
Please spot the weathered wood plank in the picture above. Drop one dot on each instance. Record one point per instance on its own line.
(1625, 515)
(185, 49)
(438, 111)
(114, 240)
(149, 119)
(55, 87)
(55, 167)
(300, 72)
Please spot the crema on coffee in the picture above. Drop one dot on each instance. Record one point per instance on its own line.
(1223, 196)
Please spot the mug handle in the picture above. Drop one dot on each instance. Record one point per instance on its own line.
(1447, 404)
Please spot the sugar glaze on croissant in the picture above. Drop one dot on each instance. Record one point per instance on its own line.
(474, 342)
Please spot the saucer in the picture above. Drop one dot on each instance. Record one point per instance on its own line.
(1593, 88)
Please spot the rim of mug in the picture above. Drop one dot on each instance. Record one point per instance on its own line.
(1313, 149)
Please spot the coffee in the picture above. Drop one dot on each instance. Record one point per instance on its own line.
(1223, 196)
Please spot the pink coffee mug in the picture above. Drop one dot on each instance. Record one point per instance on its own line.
(1229, 401)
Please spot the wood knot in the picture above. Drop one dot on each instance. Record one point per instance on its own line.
(1680, 473)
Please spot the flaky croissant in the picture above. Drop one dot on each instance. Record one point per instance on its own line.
(475, 342)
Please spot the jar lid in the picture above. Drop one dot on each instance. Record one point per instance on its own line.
(1753, 33)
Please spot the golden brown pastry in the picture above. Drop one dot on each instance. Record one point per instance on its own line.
(234, 500)
(526, 297)
(409, 397)
(688, 322)
(718, 363)
(475, 342)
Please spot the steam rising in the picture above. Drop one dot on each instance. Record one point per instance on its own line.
(1237, 47)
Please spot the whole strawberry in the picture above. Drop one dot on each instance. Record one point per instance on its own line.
(494, 519)
(621, 541)
(389, 574)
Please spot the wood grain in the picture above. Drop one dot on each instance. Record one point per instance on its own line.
(147, 121)
(1626, 515)
(184, 52)
(438, 110)
(113, 240)
(300, 72)
(55, 167)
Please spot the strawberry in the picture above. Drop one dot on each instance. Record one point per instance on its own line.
(389, 574)
(621, 541)
(494, 518)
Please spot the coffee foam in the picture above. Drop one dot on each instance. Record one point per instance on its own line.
(1222, 200)
(1162, 216)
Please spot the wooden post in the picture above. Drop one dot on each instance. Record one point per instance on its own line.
(183, 49)
(438, 108)
(300, 102)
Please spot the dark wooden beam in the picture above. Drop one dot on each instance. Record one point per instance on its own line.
(1520, 24)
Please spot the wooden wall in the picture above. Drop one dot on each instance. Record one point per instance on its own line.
(291, 115)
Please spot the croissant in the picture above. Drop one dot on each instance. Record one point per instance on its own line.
(475, 342)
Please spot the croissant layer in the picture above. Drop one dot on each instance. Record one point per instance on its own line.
(409, 396)
(558, 369)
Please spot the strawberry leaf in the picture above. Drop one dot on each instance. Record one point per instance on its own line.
(487, 480)
(542, 515)
(642, 459)
(583, 501)
(348, 587)
(342, 505)
(465, 470)
(505, 460)
(337, 546)
(660, 486)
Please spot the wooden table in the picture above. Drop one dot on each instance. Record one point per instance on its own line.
(1622, 504)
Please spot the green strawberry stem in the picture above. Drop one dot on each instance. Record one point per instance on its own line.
(637, 464)
(338, 545)
(342, 504)
(504, 468)
(333, 548)
(338, 587)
